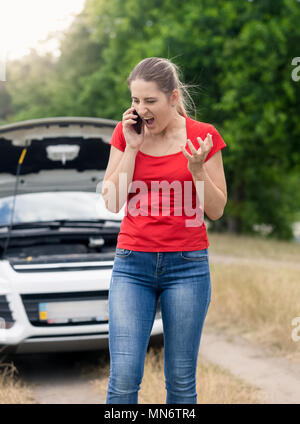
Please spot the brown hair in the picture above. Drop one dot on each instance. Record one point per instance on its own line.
(166, 75)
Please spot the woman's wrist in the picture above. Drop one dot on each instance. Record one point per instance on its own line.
(131, 150)
(199, 173)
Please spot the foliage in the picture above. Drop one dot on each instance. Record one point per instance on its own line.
(238, 53)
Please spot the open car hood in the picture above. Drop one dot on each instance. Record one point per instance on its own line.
(63, 154)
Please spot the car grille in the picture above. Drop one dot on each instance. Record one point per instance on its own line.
(31, 303)
(5, 312)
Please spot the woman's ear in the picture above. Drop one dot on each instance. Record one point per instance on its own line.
(175, 97)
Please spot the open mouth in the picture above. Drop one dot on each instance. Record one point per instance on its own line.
(149, 121)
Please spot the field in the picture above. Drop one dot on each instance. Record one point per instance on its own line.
(258, 294)
(255, 294)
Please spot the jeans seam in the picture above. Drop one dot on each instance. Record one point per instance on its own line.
(122, 255)
(199, 258)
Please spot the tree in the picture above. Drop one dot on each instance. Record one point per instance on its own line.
(239, 53)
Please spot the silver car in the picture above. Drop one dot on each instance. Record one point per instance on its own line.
(57, 239)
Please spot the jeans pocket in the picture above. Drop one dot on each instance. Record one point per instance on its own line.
(195, 255)
(122, 253)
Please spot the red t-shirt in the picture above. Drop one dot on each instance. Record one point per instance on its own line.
(144, 226)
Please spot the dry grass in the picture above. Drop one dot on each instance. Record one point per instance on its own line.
(253, 247)
(258, 302)
(258, 298)
(12, 391)
(214, 384)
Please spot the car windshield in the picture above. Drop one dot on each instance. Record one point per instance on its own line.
(51, 206)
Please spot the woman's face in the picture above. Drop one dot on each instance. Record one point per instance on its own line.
(152, 104)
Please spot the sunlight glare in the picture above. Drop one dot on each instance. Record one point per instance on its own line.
(24, 24)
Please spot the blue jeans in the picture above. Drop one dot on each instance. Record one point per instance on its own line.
(182, 280)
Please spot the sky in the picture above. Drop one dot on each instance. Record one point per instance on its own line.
(26, 23)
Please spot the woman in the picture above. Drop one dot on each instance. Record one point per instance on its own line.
(160, 254)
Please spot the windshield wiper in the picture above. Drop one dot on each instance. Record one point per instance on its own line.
(57, 223)
(95, 223)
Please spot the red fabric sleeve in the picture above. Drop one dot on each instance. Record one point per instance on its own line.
(117, 139)
(218, 142)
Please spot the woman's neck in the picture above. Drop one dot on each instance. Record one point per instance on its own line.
(175, 124)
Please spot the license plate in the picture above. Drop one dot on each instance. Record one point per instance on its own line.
(76, 311)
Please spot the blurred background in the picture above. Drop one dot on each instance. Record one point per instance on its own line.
(72, 57)
(242, 60)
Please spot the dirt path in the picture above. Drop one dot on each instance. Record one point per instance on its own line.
(58, 378)
(278, 378)
(66, 391)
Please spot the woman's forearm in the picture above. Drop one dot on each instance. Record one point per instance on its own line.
(214, 198)
(115, 189)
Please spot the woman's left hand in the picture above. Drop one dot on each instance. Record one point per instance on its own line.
(196, 160)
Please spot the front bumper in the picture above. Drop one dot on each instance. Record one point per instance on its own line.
(25, 336)
(69, 342)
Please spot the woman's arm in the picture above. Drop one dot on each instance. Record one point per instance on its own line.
(215, 190)
(115, 189)
(120, 168)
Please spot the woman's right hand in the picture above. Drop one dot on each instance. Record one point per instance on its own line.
(132, 138)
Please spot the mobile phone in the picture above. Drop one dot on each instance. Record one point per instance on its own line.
(138, 125)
